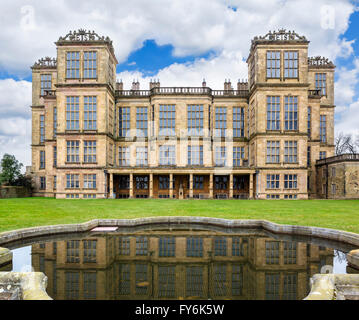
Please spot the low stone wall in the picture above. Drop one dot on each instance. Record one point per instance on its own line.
(5, 257)
(353, 259)
(14, 192)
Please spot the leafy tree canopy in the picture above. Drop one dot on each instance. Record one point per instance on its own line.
(10, 170)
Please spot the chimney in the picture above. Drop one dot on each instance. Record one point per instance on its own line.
(242, 85)
(154, 84)
(135, 85)
(119, 85)
(228, 85)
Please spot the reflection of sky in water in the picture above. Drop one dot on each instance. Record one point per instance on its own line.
(21, 261)
(339, 263)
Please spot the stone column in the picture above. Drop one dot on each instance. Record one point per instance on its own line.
(251, 186)
(191, 185)
(111, 186)
(151, 185)
(171, 185)
(211, 186)
(131, 186)
(231, 186)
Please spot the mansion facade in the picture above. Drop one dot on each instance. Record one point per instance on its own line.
(258, 140)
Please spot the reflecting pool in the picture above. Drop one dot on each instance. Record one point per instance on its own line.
(179, 263)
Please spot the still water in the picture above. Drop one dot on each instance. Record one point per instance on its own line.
(186, 263)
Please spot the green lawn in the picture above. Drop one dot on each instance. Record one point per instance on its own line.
(23, 213)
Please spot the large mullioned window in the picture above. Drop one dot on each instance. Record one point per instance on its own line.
(238, 154)
(290, 64)
(290, 152)
(273, 113)
(90, 151)
(55, 122)
(238, 122)
(321, 83)
(167, 155)
(221, 122)
(272, 151)
(124, 156)
(221, 156)
(167, 120)
(195, 120)
(290, 181)
(141, 121)
(141, 156)
(195, 155)
(73, 65)
(323, 129)
(273, 64)
(90, 65)
(45, 83)
(124, 121)
(272, 181)
(89, 181)
(72, 181)
(42, 129)
(73, 151)
(291, 113)
(72, 113)
(90, 113)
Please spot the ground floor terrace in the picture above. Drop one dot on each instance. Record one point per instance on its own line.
(181, 185)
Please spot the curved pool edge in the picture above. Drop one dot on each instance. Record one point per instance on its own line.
(324, 233)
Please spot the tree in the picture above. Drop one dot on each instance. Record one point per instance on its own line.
(344, 143)
(10, 170)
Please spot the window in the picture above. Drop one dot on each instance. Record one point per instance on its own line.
(334, 172)
(42, 183)
(272, 252)
(167, 246)
(167, 120)
(322, 155)
(73, 65)
(195, 155)
(42, 129)
(238, 154)
(290, 181)
(141, 156)
(273, 113)
(45, 83)
(290, 152)
(125, 279)
(163, 182)
(195, 120)
(72, 181)
(42, 159)
(90, 151)
(55, 182)
(141, 277)
(291, 113)
(334, 188)
(237, 280)
(290, 64)
(89, 181)
(272, 181)
(323, 129)
(272, 151)
(72, 283)
(124, 156)
(90, 65)
(166, 281)
(124, 246)
(290, 253)
(124, 121)
(141, 182)
(194, 247)
(309, 158)
(220, 280)
(221, 182)
(221, 122)
(321, 83)
(124, 183)
(141, 246)
(290, 287)
(272, 286)
(238, 122)
(194, 281)
(141, 121)
(73, 151)
(237, 247)
(273, 64)
(55, 122)
(238, 182)
(90, 251)
(90, 113)
(221, 156)
(220, 246)
(167, 155)
(72, 113)
(90, 284)
(309, 122)
(198, 182)
(73, 251)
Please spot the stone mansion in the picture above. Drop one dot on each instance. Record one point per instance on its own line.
(259, 139)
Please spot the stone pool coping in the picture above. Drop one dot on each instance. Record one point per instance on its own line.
(33, 284)
(324, 233)
(5, 256)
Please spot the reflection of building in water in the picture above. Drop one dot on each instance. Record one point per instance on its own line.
(179, 265)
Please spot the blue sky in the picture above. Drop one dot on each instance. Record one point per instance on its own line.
(178, 41)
